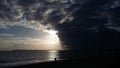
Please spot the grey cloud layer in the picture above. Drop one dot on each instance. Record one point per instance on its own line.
(44, 14)
(37, 14)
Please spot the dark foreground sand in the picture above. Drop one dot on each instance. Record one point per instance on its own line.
(109, 61)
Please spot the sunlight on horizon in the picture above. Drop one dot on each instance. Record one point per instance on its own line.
(49, 41)
(53, 42)
(54, 39)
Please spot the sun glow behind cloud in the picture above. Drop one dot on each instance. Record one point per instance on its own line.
(52, 39)
(53, 35)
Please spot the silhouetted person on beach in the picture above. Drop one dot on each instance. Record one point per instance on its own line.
(55, 59)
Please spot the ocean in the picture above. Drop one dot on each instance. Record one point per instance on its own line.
(21, 57)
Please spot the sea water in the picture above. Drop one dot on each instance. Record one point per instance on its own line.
(22, 57)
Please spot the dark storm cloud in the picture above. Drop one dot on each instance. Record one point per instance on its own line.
(95, 26)
(35, 14)
(27, 3)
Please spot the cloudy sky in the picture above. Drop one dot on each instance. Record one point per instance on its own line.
(59, 24)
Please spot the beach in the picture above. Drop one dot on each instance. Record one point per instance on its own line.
(109, 61)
